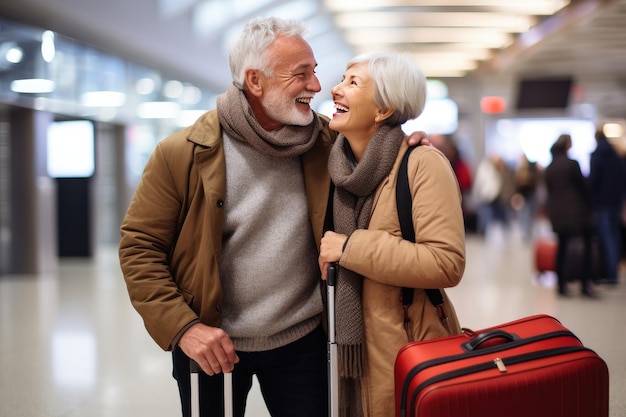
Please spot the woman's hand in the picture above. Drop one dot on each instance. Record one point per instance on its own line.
(331, 249)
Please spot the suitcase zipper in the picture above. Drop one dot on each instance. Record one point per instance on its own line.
(465, 355)
(498, 362)
(500, 365)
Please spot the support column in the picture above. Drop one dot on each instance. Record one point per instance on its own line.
(32, 206)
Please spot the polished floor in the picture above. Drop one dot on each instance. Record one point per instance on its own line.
(71, 344)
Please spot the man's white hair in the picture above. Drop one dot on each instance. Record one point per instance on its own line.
(250, 50)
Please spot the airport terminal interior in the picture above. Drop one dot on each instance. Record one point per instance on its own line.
(88, 88)
(72, 345)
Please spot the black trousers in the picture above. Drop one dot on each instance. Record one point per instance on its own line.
(293, 380)
(562, 259)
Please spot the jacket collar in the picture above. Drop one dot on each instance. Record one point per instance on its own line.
(206, 131)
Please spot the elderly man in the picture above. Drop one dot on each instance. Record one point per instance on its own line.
(219, 244)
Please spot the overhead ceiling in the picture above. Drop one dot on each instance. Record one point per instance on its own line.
(488, 39)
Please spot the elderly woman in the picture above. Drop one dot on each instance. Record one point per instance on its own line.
(378, 93)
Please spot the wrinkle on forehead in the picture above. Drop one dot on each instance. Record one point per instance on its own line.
(292, 54)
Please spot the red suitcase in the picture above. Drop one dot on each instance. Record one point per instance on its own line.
(545, 254)
(530, 367)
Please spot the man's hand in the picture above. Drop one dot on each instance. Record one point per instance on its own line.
(210, 347)
(417, 137)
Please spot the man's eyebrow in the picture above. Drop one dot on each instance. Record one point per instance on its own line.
(304, 67)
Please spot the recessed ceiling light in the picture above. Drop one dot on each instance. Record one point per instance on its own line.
(158, 110)
(103, 99)
(33, 86)
(145, 86)
(48, 50)
(14, 55)
(173, 89)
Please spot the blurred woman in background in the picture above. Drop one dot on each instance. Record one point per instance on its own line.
(569, 211)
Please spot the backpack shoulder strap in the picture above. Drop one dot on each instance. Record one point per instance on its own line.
(404, 202)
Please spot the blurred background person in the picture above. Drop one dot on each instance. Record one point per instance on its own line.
(569, 211)
(527, 181)
(447, 145)
(492, 190)
(607, 181)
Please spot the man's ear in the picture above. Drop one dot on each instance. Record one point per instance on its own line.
(253, 82)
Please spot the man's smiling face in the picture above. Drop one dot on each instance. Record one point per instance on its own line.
(292, 84)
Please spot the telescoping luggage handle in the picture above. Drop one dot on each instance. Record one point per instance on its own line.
(195, 391)
(333, 367)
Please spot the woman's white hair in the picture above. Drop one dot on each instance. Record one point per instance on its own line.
(250, 50)
(399, 84)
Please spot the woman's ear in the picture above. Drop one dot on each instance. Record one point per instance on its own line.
(383, 115)
(253, 82)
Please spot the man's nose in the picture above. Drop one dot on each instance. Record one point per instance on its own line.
(314, 84)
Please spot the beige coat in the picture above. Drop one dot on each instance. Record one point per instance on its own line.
(171, 241)
(389, 263)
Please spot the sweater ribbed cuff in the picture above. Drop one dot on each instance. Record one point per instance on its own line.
(277, 340)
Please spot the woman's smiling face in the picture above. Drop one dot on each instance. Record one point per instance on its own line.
(356, 112)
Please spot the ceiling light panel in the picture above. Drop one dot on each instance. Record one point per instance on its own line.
(460, 60)
(472, 51)
(510, 22)
(33, 86)
(484, 37)
(457, 34)
(295, 10)
(531, 7)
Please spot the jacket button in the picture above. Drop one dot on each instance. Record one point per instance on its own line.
(220, 203)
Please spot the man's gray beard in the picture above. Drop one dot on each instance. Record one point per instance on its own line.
(276, 108)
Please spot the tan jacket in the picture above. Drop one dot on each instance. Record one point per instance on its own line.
(388, 263)
(171, 236)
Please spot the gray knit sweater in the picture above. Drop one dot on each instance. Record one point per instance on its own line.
(269, 269)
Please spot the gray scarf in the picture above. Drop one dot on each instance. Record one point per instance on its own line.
(352, 206)
(238, 121)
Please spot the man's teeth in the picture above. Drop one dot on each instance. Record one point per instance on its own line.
(304, 100)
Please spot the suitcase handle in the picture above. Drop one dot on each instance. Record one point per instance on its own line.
(195, 370)
(481, 338)
(333, 364)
